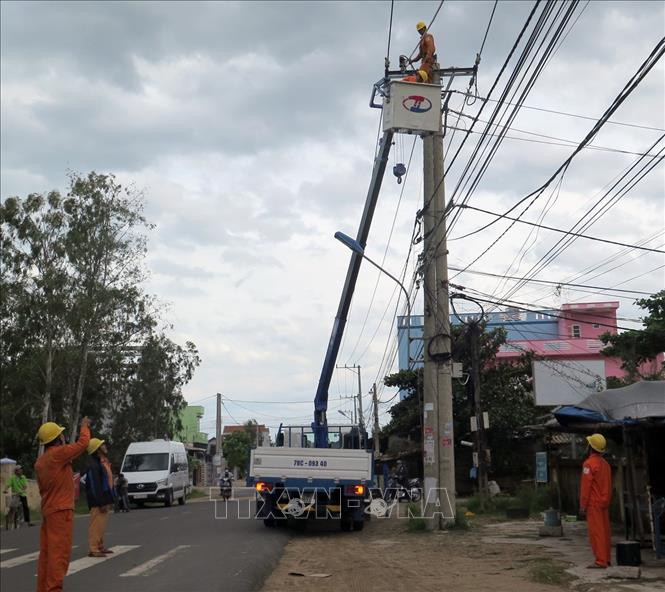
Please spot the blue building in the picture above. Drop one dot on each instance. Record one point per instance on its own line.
(520, 325)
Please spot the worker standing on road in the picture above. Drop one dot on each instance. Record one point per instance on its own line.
(595, 496)
(18, 485)
(56, 486)
(426, 53)
(101, 496)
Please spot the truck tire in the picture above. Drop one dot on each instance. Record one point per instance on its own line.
(168, 500)
(181, 500)
(270, 522)
(358, 525)
(346, 523)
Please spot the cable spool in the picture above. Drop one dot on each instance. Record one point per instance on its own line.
(399, 170)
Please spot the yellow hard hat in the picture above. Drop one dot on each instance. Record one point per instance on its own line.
(597, 442)
(423, 75)
(421, 25)
(94, 444)
(48, 432)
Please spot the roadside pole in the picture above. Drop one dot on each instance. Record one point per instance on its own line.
(361, 420)
(438, 441)
(481, 445)
(375, 431)
(218, 437)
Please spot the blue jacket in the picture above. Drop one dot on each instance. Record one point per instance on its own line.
(97, 487)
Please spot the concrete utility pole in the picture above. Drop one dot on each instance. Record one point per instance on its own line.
(481, 443)
(218, 434)
(438, 441)
(361, 420)
(375, 431)
(358, 403)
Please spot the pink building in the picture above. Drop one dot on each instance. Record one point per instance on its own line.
(568, 334)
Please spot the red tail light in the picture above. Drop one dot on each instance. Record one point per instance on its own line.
(354, 490)
(262, 486)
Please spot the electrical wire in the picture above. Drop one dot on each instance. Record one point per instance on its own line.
(559, 230)
(568, 114)
(630, 86)
(552, 283)
(560, 141)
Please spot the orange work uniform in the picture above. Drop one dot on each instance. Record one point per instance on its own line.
(595, 496)
(56, 486)
(426, 51)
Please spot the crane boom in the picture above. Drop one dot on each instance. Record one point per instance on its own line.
(320, 423)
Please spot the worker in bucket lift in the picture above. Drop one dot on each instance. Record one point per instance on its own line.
(595, 496)
(426, 53)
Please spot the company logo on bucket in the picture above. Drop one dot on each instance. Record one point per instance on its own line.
(417, 104)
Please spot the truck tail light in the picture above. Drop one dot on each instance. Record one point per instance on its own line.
(262, 486)
(354, 490)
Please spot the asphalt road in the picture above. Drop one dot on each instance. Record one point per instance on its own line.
(183, 548)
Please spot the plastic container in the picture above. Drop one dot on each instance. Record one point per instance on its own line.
(628, 553)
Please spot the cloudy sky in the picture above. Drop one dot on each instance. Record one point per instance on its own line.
(248, 127)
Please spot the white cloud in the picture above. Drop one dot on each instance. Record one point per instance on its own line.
(248, 126)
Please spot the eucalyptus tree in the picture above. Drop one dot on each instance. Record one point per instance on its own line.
(106, 247)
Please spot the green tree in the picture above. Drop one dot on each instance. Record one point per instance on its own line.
(151, 405)
(78, 334)
(106, 247)
(236, 447)
(506, 396)
(636, 347)
(35, 284)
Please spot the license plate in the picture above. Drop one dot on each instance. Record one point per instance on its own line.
(140, 495)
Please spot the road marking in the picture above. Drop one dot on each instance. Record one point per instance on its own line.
(20, 560)
(86, 562)
(145, 568)
(164, 518)
(3, 551)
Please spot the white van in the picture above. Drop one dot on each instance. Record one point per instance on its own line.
(156, 471)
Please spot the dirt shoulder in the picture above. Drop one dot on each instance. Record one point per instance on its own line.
(386, 556)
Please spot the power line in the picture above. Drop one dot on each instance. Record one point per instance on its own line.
(489, 24)
(565, 243)
(521, 306)
(559, 141)
(630, 86)
(567, 232)
(552, 283)
(385, 252)
(568, 114)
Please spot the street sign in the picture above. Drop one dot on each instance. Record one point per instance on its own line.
(541, 467)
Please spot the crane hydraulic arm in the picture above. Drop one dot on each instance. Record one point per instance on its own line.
(320, 423)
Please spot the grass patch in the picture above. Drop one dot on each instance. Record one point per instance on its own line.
(548, 572)
(461, 521)
(532, 499)
(196, 493)
(416, 522)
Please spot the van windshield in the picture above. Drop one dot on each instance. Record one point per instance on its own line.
(135, 463)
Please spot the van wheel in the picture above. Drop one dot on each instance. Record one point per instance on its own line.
(358, 525)
(270, 522)
(181, 500)
(169, 499)
(346, 524)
